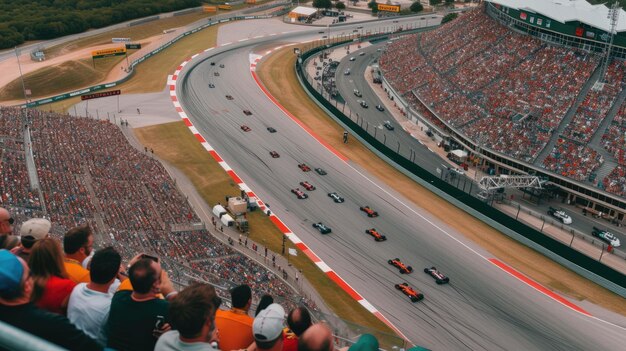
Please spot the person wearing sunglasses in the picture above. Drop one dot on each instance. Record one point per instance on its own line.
(7, 240)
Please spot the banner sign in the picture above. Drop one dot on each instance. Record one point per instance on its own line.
(99, 95)
(388, 8)
(120, 40)
(108, 52)
(133, 46)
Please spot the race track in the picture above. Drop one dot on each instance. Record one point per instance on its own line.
(483, 308)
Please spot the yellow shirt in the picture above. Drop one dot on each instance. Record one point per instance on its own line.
(235, 328)
(76, 272)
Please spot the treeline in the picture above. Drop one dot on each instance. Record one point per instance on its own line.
(46, 19)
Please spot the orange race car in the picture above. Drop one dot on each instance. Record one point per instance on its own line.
(404, 269)
(413, 294)
(368, 210)
(377, 236)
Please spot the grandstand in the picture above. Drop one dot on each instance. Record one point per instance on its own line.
(525, 79)
(123, 193)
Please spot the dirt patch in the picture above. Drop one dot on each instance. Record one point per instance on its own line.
(284, 87)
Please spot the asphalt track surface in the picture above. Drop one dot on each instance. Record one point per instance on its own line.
(483, 308)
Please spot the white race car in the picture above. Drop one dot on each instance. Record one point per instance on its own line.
(560, 215)
(605, 236)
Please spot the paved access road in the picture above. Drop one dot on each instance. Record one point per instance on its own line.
(483, 308)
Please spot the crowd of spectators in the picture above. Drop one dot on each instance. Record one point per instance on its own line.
(597, 103)
(614, 141)
(509, 90)
(89, 173)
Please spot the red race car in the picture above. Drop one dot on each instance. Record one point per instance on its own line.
(274, 154)
(369, 211)
(413, 294)
(377, 236)
(404, 269)
(245, 128)
(299, 193)
(308, 186)
(304, 167)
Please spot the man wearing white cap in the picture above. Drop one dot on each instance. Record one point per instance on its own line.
(31, 231)
(268, 328)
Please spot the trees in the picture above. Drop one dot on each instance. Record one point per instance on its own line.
(416, 7)
(340, 5)
(449, 17)
(373, 5)
(322, 4)
(434, 2)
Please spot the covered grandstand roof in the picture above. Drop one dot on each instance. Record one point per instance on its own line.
(302, 10)
(567, 11)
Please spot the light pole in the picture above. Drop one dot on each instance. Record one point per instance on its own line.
(19, 66)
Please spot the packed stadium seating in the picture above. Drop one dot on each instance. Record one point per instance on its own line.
(89, 172)
(507, 90)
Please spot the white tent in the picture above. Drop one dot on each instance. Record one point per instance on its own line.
(219, 210)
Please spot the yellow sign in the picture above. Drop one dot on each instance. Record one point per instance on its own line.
(388, 8)
(109, 52)
(224, 7)
(209, 8)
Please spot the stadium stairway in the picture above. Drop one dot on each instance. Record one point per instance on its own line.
(569, 115)
(610, 162)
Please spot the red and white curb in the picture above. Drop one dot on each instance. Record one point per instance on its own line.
(254, 59)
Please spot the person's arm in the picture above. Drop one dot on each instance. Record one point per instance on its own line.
(59, 330)
(167, 288)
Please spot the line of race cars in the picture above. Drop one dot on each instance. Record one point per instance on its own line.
(413, 294)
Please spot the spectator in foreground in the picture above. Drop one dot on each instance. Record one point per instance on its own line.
(16, 308)
(77, 244)
(317, 337)
(89, 303)
(31, 231)
(366, 342)
(298, 321)
(192, 314)
(268, 329)
(137, 318)
(7, 240)
(235, 325)
(265, 301)
(52, 287)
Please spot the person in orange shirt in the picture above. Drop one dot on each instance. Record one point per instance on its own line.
(78, 245)
(235, 325)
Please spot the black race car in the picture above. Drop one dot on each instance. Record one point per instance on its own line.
(322, 228)
(211, 85)
(222, 65)
(380, 108)
(229, 97)
(274, 154)
(388, 125)
(377, 236)
(217, 74)
(299, 193)
(271, 130)
(439, 277)
(404, 269)
(320, 171)
(413, 294)
(336, 197)
(247, 112)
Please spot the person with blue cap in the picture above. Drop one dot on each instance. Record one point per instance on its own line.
(16, 309)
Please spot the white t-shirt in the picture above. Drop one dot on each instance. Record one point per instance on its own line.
(170, 341)
(88, 310)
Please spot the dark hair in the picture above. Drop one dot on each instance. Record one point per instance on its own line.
(191, 307)
(28, 241)
(142, 276)
(240, 295)
(105, 265)
(301, 322)
(265, 301)
(76, 238)
(266, 345)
